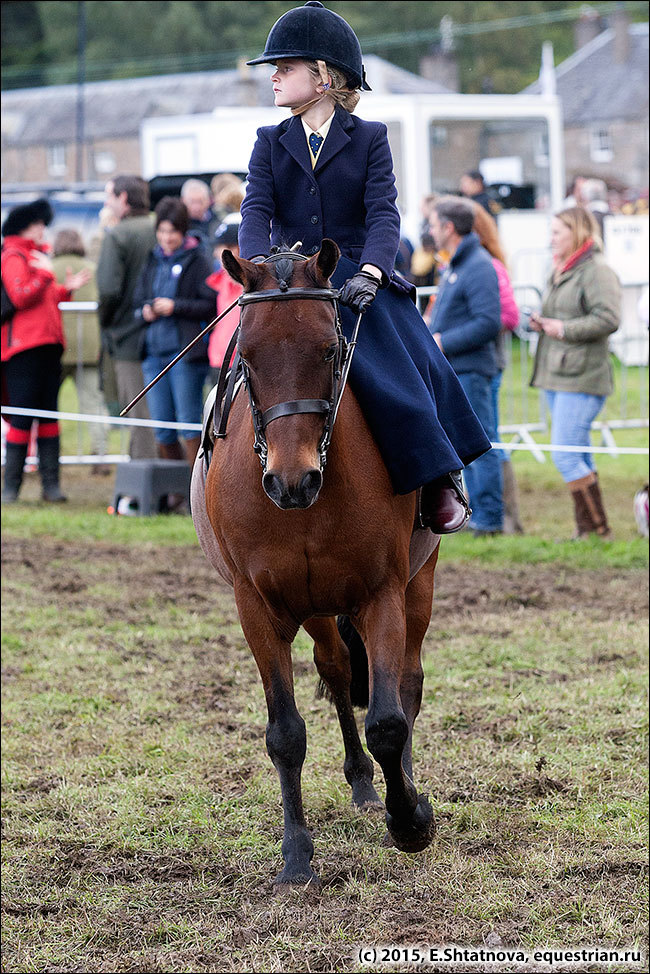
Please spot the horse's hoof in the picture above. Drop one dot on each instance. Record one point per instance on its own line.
(365, 797)
(418, 833)
(286, 882)
(371, 807)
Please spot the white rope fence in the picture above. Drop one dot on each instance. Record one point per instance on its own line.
(530, 447)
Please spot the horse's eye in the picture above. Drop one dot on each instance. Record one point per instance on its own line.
(330, 353)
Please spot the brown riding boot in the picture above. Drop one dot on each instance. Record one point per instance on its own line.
(589, 509)
(443, 505)
(176, 503)
(171, 451)
(191, 447)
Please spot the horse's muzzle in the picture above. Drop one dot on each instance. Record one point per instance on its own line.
(289, 497)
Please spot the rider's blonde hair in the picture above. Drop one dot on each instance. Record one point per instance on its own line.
(339, 91)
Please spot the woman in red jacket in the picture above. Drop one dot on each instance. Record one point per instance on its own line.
(32, 343)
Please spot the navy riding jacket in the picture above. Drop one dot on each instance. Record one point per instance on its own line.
(349, 196)
(413, 402)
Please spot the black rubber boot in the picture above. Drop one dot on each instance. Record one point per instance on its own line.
(48, 465)
(14, 466)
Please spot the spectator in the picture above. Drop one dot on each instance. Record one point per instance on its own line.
(174, 303)
(107, 377)
(195, 194)
(425, 262)
(574, 195)
(124, 250)
(472, 185)
(465, 323)
(81, 357)
(227, 195)
(485, 227)
(594, 194)
(32, 344)
(228, 290)
(580, 309)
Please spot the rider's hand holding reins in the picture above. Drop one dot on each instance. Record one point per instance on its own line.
(359, 291)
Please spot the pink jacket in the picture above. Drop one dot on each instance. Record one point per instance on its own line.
(509, 309)
(227, 292)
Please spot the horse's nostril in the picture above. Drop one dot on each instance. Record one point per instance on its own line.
(272, 486)
(311, 483)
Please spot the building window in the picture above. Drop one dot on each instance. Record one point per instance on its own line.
(56, 163)
(601, 145)
(104, 162)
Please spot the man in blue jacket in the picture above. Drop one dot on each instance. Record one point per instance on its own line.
(465, 323)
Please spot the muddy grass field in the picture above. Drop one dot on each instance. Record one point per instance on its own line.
(141, 815)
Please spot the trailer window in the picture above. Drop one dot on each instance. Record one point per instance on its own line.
(512, 155)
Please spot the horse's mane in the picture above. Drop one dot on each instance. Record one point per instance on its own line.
(283, 271)
(282, 267)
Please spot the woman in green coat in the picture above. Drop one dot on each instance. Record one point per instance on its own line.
(580, 310)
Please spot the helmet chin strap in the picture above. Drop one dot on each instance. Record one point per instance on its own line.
(308, 104)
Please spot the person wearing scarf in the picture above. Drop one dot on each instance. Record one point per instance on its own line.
(581, 308)
(174, 303)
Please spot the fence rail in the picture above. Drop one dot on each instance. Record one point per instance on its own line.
(523, 410)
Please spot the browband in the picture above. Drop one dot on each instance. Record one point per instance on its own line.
(317, 294)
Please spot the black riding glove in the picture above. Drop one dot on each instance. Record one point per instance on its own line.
(359, 291)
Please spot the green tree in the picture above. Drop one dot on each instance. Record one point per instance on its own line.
(130, 38)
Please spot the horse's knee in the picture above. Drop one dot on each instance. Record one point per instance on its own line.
(286, 740)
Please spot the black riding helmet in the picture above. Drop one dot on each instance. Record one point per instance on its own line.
(314, 33)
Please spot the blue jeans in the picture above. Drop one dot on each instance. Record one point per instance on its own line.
(177, 397)
(483, 477)
(572, 414)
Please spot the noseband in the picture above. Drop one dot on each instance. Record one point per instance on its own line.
(340, 366)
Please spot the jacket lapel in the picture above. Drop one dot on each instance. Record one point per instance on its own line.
(294, 141)
(337, 138)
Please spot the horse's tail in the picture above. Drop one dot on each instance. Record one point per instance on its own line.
(358, 661)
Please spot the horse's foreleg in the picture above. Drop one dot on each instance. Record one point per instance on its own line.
(286, 738)
(419, 597)
(333, 664)
(382, 625)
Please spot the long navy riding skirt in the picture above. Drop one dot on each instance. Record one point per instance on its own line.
(413, 402)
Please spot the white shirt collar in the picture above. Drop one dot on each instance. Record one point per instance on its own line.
(323, 130)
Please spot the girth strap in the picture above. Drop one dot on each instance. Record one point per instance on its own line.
(293, 407)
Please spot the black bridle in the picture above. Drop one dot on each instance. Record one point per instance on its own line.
(340, 365)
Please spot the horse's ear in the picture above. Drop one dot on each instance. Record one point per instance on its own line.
(323, 264)
(245, 272)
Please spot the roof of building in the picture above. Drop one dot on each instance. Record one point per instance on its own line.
(114, 109)
(594, 87)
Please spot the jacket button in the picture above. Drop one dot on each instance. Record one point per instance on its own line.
(314, 219)
(312, 190)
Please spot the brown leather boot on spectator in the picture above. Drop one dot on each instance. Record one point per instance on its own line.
(589, 509)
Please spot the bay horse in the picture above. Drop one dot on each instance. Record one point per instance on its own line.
(306, 543)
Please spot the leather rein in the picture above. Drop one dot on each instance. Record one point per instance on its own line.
(291, 407)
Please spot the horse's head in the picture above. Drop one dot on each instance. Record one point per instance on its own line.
(291, 352)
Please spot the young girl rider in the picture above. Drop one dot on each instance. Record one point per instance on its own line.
(326, 173)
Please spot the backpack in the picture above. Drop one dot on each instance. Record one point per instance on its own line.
(8, 308)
